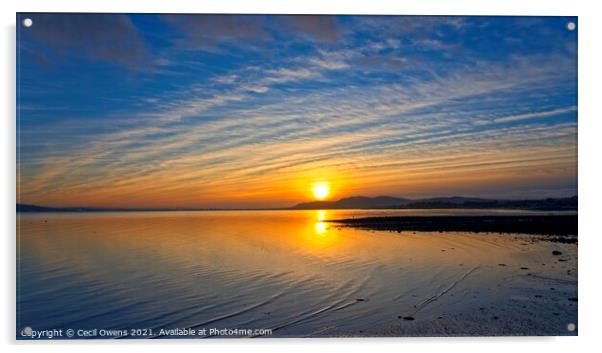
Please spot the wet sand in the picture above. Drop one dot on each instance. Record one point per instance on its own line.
(546, 300)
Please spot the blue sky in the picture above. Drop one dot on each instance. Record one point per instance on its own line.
(248, 111)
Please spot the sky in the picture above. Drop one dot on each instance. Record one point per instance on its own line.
(237, 111)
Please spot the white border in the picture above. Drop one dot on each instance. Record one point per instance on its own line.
(590, 237)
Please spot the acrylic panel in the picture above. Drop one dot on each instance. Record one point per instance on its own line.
(196, 176)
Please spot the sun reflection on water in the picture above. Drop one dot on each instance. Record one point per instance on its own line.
(320, 226)
(321, 215)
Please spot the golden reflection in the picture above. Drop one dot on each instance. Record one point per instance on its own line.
(167, 242)
(321, 215)
(320, 228)
(321, 237)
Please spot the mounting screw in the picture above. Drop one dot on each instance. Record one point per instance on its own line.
(571, 26)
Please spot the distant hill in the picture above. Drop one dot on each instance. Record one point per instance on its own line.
(387, 202)
(364, 202)
(35, 208)
(355, 202)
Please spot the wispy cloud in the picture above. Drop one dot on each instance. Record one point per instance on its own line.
(255, 133)
(323, 28)
(108, 37)
(532, 115)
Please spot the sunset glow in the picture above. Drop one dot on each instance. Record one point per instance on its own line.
(321, 190)
(197, 114)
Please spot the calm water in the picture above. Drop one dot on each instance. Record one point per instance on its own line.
(287, 271)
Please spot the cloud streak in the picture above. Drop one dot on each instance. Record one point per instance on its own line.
(256, 133)
(107, 37)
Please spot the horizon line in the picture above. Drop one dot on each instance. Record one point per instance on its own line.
(283, 208)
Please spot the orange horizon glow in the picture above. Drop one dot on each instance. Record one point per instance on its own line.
(285, 189)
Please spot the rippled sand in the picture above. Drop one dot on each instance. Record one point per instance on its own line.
(288, 271)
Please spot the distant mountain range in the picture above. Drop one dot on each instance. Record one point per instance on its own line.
(363, 202)
(388, 202)
(35, 208)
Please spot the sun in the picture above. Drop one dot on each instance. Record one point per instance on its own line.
(321, 190)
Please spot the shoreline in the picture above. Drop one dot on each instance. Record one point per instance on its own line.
(563, 226)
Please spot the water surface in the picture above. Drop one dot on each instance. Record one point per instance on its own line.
(288, 271)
